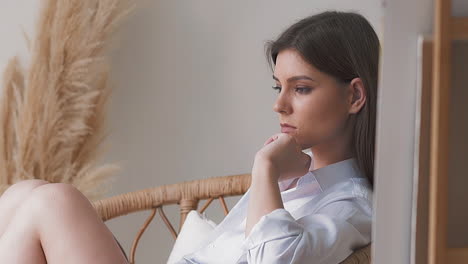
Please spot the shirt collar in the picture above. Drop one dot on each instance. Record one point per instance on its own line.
(328, 175)
(334, 173)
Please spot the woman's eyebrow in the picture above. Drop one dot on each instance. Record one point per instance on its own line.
(295, 78)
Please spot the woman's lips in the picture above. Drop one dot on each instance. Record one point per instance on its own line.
(286, 128)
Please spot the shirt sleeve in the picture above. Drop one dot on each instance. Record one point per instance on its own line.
(317, 238)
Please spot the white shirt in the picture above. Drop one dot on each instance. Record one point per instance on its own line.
(325, 218)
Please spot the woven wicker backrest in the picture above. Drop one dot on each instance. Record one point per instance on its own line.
(187, 195)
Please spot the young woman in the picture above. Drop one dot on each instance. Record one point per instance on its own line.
(325, 72)
(300, 208)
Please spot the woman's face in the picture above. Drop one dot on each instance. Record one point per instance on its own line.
(312, 102)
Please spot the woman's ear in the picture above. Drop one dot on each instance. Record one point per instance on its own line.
(357, 96)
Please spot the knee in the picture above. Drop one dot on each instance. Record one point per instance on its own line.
(22, 189)
(57, 197)
(53, 204)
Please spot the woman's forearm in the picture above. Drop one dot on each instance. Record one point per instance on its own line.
(265, 195)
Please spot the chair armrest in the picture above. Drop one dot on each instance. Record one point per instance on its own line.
(147, 199)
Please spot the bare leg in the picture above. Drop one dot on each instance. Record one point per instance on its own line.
(12, 199)
(58, 222)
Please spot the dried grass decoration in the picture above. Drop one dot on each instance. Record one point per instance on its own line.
(53, 113)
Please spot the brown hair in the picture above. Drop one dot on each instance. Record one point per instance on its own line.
(345, 46)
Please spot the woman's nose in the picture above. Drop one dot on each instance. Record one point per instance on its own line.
(282, 105)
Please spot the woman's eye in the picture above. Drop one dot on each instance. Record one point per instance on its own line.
(277, 88)
(303, 90)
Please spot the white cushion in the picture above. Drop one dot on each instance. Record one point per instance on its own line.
(194, 231)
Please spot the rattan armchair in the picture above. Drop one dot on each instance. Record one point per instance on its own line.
(187, 195)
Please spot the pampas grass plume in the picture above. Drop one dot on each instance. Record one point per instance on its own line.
(53, 112)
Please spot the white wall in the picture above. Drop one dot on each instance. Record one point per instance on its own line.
(16, 17)
(404, 21)
(193, 98)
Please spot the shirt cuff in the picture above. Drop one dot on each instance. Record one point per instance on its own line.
(277, 224)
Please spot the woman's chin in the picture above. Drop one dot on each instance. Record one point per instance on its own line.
(303, 144)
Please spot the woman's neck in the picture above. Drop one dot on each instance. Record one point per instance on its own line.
(326, 154)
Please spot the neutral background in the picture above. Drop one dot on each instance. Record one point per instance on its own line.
(192, 99)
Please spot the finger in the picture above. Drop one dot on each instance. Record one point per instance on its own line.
(269, 140)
